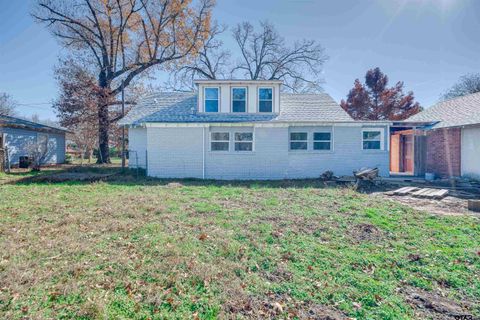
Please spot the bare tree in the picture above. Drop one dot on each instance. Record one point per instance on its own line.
(121, 39)
(38, 150)
(77, 103)
(266, 56)
(212, 62)
(85, 137)
(7, 105)
(467, 84)
(262, 55)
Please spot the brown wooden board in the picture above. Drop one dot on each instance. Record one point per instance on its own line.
(405, 190)
(420, 155)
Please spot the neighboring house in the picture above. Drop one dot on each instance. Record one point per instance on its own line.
(453, 138)
(18, 137)
(241, 129)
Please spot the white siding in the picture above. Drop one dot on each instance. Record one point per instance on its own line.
(178, 153)
(470, 157)
(137, 146)
(18, 141)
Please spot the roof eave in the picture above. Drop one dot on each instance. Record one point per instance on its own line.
(144, 123)
(226, 81)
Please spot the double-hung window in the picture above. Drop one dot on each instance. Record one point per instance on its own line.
(265, 100)
(211, 99)
(220, 141)
(298, 140)
(243, 141)
(322, 141)
(239, 99)
(372, 139)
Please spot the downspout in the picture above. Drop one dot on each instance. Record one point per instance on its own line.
(203, 152)
(388, 138)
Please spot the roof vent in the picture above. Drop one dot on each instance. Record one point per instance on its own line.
(192, 110)
(155, 100)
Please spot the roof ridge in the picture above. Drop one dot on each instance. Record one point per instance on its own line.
(304, 93)
(458, 98)
(32, 122)
(167, 92)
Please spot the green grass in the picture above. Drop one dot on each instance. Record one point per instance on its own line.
(141, 248)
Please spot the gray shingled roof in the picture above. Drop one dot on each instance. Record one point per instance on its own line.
(181, 106)
(310, 107)
(13, 122)
(452, 113)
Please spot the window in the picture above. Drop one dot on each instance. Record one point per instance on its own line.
(211, 99)
(220, 141)
(298, 140)
(372, 139)
(322, 140)
(265, 100)
(243, 141)
(239, 99)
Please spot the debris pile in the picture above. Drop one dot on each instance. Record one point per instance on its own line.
(428, 193)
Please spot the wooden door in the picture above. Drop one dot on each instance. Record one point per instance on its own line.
(395, 153)
(407, 153)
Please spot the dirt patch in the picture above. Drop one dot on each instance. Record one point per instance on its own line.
(174, 185)
(71, 176)
(432, 305)
(276, 306)
(279, 275)
(449, 206)
(365, 232)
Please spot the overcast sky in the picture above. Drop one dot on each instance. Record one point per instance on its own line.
(427, 44)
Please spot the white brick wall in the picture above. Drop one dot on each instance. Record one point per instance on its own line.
(174, 152)
(137, 146)
(177, 153)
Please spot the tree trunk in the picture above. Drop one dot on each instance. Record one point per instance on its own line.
(103, 135)
(103, 121)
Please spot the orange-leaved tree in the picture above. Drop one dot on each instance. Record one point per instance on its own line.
(374, 100)
(119, 40)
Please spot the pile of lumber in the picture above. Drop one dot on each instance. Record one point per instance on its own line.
(366, 174)
(427, 193)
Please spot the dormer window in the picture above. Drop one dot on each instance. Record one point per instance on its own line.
(239, 99)
(265, 99)
(211, 99)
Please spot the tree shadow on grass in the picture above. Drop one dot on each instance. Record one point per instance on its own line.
(80, 175)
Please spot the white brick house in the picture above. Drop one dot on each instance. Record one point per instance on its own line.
(244, 129)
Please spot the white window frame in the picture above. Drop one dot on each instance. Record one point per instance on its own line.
(235, 141)
(246, 99)
(258, 99)
(330, 141)
(382, 141)
(290, 141)
(205, 99)
(222, 141)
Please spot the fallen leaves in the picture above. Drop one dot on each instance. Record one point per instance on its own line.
(203, 237)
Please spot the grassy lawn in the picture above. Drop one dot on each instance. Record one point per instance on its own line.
(130, 248)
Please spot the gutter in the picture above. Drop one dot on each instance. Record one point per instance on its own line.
(263, 123)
